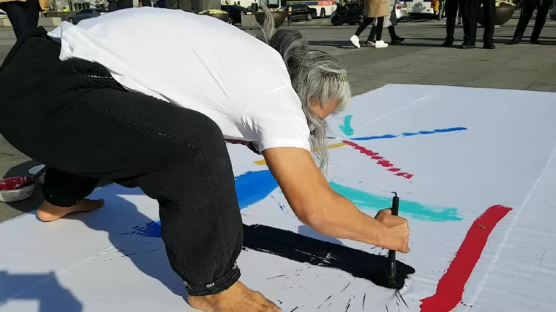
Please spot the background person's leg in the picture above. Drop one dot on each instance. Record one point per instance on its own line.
(379, 25)
(540, 20)
(451, 12)
(470, 9)
(489, 9)
(24, 16)
(366, 22)
(527, 7)
(355, 38)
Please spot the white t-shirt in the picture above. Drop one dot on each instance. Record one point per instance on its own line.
(197, 62)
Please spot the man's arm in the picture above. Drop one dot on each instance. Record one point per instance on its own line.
(318, 206)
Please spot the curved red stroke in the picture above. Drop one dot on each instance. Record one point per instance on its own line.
(449, 291)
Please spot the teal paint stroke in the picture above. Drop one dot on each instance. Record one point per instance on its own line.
(366, 201)
(346, 127)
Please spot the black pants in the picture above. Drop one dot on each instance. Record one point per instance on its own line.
(366, 22)
(84, 126)
(471, 14)
(528, 6)
(24, 16)
(451, 10)
(469, 11)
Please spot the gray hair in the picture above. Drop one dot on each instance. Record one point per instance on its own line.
(317, 78)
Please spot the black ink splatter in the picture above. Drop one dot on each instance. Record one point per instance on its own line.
(364, 300)
(341, 291)
(348, 304)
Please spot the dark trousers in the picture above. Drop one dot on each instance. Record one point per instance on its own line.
(24, 16)
(469, 11)
(84, 126)
(366, 22)
(451, 10)
(528, 6)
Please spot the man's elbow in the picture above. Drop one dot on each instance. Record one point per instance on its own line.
(314, 218)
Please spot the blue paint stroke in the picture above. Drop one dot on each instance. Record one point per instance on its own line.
(346, 127)
(415, 210)
(408, 134)
(252, 187)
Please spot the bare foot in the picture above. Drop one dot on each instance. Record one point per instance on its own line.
(236, 298)
(48, 212)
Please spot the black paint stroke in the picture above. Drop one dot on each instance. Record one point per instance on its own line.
(304, 249)
(399, 294)
(348, 304)
(365, 295)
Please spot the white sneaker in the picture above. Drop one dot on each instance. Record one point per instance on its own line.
(380, 44)
(370, 43)
(355, 41)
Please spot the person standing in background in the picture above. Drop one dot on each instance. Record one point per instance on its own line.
(389, 22)
(470, 13)
(374, 9)
(452, 7)
(527, 8)
(23, 14)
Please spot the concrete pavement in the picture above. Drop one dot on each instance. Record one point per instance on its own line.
(419, 60)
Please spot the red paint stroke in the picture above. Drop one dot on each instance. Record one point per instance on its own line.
(449, 291)
(380, 160)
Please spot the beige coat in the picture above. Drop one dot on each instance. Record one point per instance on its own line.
(377, 8)
(42, 3)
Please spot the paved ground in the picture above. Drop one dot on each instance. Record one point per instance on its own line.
(419, 60)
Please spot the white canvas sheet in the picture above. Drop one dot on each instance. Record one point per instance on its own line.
(459, 151)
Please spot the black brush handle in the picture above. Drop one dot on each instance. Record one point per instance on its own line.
(392, 253)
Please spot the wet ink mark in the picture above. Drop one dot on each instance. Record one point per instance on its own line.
(325, 300)
(399, 294)
(277, 276)
(449, 291)
(379, 160)
(416, 210)
(348, 304)
(364, 295)
(154, 250)
(127, 254)
(303, 249)
(341, 291)
(151, 229)
(294, 309)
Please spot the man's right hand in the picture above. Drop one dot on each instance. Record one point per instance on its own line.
(395, 233)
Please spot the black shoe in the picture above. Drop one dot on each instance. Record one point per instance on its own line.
(397, 40)
(468, 45)
(489, 46)
(535, 41)
(448, 43)
(515, 41)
